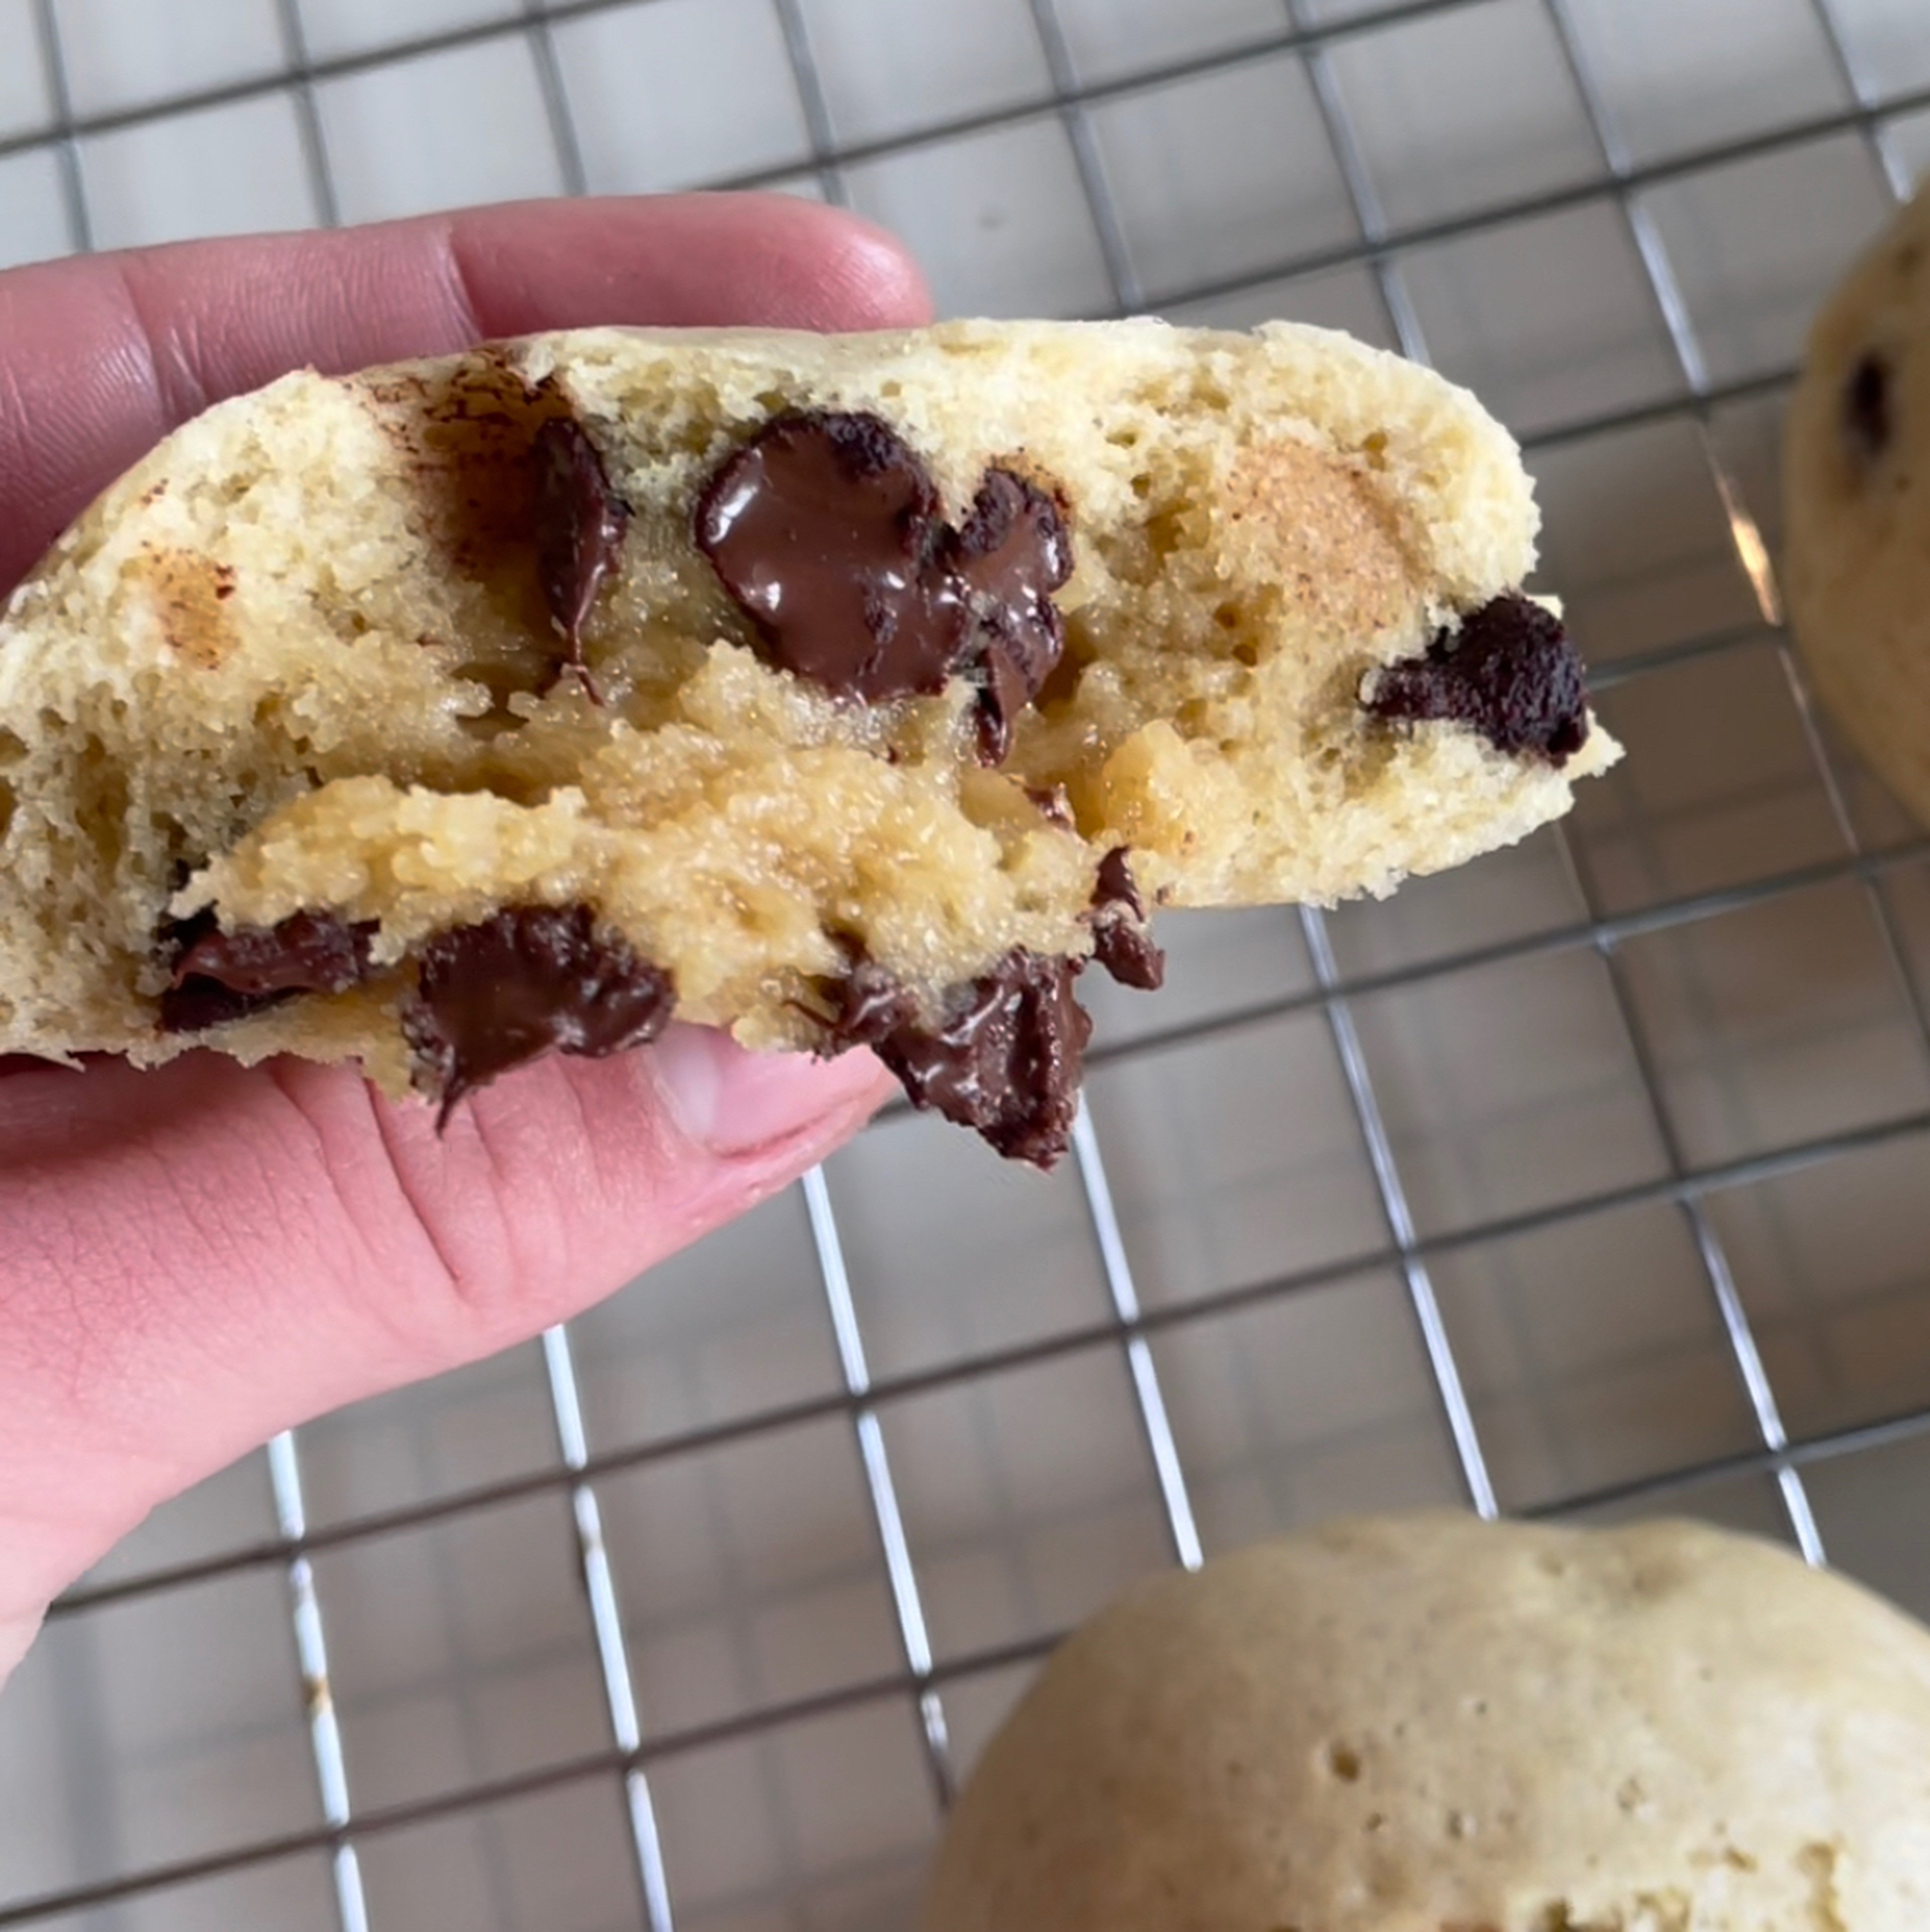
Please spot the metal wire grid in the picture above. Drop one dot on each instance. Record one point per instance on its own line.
(631, 1752)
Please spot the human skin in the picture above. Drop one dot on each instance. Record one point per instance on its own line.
(195, 1258)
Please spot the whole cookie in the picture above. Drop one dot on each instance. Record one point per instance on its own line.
(1857, 483)
(1430, 1724)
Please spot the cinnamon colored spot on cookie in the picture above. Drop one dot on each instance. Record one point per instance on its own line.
(190, 592)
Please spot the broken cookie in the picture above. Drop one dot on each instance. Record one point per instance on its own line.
(843, 692)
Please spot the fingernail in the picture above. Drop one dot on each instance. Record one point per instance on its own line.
(728, 1101)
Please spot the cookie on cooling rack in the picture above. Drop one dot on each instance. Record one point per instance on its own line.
(1857, 485)
(1423, 1723)
(836, 690)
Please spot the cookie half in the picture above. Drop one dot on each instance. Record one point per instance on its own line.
(833, 690)
(1430, 1724)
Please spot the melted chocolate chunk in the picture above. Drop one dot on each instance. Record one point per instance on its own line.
(580, 524)
(824, 528)
(1867, 422)
(1120, 941)
(1012, 553)
(1054, 804)
(218, 976)
(1003, 1057)
(1509, 672)
(525, 981)
(868, 1004)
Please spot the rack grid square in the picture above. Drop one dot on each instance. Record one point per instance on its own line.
(1584, 1182)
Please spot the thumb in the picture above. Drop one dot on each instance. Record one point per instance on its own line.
(203, 1256)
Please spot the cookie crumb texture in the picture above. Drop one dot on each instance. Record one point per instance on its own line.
(1856, 481)
(1427, 1723)
(834, 690)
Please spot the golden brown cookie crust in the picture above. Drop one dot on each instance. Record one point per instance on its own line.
(1410, 1724)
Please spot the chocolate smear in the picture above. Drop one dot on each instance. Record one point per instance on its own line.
(525, 981)
(1003, 1056)
(825, 528)
(1509, 672)
(1121, 942)
(1867, 424)
(580, 521)
(218, 976)
(868, 1004)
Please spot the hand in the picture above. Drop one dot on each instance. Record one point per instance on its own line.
(194, 1258)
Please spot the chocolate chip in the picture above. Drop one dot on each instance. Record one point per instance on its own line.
(526, 980)
(867, 1005)
(1054, 804)
(1010, 554)
(1509, 672)
(1002, 1057)
(1868, 426)
(1120, 941)
(825, 528)
(218, 976)
(202, 1004)
(822, 528)
(580, 524)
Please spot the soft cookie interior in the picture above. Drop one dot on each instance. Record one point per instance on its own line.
(837, 690)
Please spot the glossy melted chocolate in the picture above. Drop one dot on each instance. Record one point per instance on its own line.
(527, 981)
(218, 976)
(1868, 407)
(1003, 1057)
(825, 528)
(580, 524)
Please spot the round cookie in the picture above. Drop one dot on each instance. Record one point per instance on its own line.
(1430, 1724)
(1856, 483)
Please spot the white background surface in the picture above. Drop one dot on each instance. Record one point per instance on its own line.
(1691, 979)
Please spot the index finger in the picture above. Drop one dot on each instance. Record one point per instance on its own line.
(101, 355)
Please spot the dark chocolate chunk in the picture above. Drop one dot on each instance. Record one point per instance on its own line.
(824, 528)
(580, 525)
(1010, 554)
(1509, 672)
(1054, 804)
(218, 976)
(1002, 1057)
(1121, 942)
(867, 1005)
(1867, 422)
(526, 980)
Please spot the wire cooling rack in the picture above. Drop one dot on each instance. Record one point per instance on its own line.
(1588, 1181)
